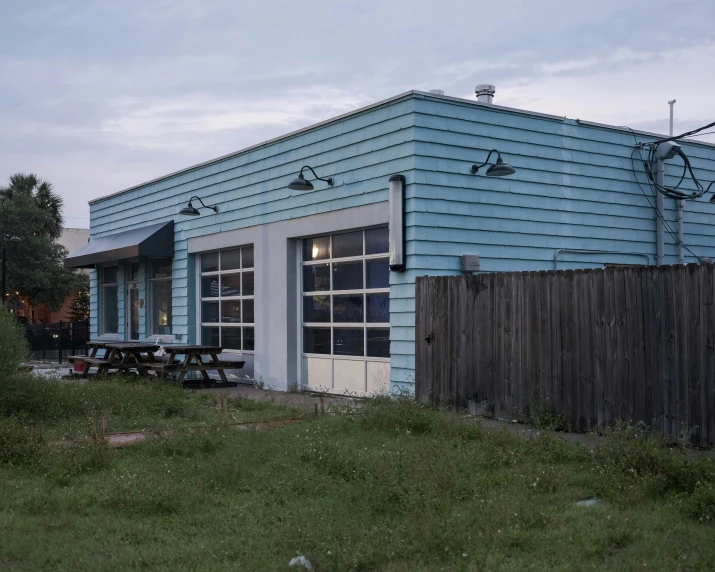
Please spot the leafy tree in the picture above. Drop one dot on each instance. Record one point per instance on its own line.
(79, 309)
(35, 265)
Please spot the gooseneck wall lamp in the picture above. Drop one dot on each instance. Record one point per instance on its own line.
(300, 183)
(191, 210)
(498, 169)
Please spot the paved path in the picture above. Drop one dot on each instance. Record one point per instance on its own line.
(300, 400)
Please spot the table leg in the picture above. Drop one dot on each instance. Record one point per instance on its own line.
(219, 369)
(110, 359)
(187, 362)
(204, 373)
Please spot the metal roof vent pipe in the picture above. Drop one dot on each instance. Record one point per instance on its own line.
(485, 92)
(437, 91)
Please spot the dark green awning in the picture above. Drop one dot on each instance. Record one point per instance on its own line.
(154, 241)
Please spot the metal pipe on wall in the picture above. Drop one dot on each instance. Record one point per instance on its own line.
(660, 215)
(679, 204)
(584, 251)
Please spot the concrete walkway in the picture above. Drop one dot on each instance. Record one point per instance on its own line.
(303, 401)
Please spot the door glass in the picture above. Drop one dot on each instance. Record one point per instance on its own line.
(133, 312)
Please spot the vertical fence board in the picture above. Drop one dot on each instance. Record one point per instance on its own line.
(631, 344)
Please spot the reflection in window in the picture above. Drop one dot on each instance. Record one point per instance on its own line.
(109, 300)
(350, 297)
(227, 302)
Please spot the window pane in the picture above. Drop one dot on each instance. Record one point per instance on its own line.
(347, 276)
(209, 262)
(133, 272)
(230, 285)
(377, 273)
(209, 336)
(316, 278)
(110, 275)
(110, 312)
(378, 342)
(377, 241)
(231, 259)
(209, 286)
(161, 307)
(316, 340)
(249, 343)
(378, 308)
(209, 311)
(248, 283)
(347, 308)
(348, 244)
(161, 268)
(231, 338)
(231, 311)
(247, 257)
(316, 248)
(348, 342)
(316, 308)
(248, 311)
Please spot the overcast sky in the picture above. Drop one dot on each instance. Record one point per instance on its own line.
(97, 96)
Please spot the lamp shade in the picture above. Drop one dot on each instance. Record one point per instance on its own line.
(500, 169)
(189, 210)
(300, 184)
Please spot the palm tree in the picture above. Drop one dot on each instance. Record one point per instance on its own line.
(30, 187)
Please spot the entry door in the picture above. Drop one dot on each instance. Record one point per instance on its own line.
(133, 311)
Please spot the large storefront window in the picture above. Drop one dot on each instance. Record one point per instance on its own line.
(346, 294)
(227, 299)
(160, 297)
(109, 300)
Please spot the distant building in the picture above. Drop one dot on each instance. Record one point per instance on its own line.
(72, 239)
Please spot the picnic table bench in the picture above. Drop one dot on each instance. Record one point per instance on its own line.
(194, 361)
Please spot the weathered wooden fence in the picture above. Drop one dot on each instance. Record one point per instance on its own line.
(631, 344)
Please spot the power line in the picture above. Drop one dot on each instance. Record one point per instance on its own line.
(655, 206)
(699, 134)
(686, 134)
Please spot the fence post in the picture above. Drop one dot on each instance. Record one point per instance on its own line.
(59, 358)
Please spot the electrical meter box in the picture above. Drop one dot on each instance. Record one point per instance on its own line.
(470, 263)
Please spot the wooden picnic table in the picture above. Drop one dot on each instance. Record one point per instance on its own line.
(122, 356)
(194, 361)
(79, 360)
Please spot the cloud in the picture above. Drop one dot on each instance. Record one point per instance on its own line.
(99, 96)
(190, 121)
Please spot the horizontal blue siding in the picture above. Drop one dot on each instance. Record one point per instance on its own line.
(360, 152)
(574, 188)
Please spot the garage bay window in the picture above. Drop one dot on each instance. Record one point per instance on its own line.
(109, 300)
(346, 294)
(160, 297)
(227, 299)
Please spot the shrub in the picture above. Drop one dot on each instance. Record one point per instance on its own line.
(13, 344)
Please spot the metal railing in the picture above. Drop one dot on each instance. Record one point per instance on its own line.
(58, 340)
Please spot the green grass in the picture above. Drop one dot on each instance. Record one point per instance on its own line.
(67, 408)
(398, 487)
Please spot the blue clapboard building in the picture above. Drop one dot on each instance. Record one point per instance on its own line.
(315, 288)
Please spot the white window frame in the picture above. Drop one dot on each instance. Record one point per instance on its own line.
(102, 300)
(150, 291)
(201, 299)
(364, 291)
